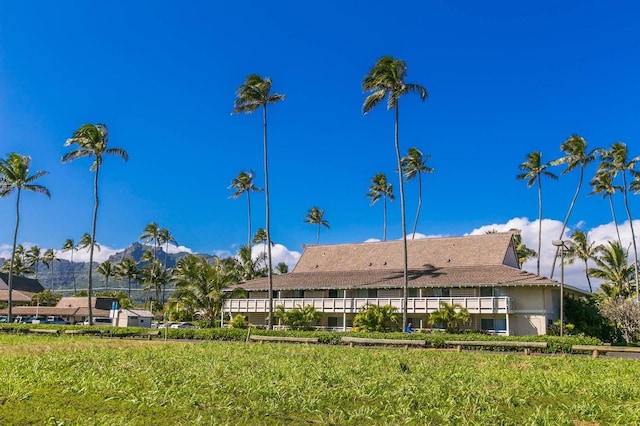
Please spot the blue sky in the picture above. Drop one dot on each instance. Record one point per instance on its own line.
(504, 79)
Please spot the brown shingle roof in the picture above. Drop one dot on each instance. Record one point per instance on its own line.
(474, 250)
(20, 283)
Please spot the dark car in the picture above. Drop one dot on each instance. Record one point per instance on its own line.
(35, 320)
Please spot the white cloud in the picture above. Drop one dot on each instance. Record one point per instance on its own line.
(178, 249)
(279, 253)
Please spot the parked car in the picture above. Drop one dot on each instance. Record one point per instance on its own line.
(99, 321)
(56, 320)
(3, 319)
(183, 325)
(35, 320)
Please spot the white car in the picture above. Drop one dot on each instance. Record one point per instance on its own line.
(99, 321)
(183, 325)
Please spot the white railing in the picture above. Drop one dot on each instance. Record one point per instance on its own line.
(415, 305)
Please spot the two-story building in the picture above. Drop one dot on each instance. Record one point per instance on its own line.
(481, 273)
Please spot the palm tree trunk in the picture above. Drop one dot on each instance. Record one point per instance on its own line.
(566, 220)
(586, 268)
(249, 218)
(405, 287)
(13, 255)
(633, 236)
(73, 272)
(384, 219)
(129, 282)
(93, 238)
(415, 223)
(318, 235)
(267, 223)
(52, 262)
(615, 220)
(539, 222)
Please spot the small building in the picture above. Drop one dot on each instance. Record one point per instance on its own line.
(73, 309)
(480, 273)
(125, 317)
(23, 289)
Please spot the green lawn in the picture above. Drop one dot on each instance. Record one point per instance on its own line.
(84, 380)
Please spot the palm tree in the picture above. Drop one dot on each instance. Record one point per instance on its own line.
(127, 269)
(581, 248)
(49, 259)
(414, 164)
(14, 176)
(165, 237)
(575, 148)
(200, 285)
(386, 79)
(91, 141)
(33, 258)
(450, 316)
(282, 268)
(70, 245)
(243, 183)
(153, 275)
(613, 269)
(615, 161)
(151, 234)
(85, 242)
(107, 270)
(533, 170)
(315, 216)
(602, 183)
(379, 188)
(251, 95)
(523, 252)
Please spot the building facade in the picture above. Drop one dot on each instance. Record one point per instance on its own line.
(480, 273)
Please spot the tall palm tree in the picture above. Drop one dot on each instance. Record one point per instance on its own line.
(254, 93)
(575, 148)
(581, 248)
(201, 285)
(165, 237)
(33, 258)
(106, 269)
(14, 176)
(151, 234)
(602, 183)
(20, 267)
(523, 252)
(49, 258)
(127, 269)
(379, 188)
(612, 268)
(243, 184)
(386, 80)
(86, 242)
(414, 164)
(533, 170)
(70, 245)
(315, 216)
(615, 161)
(91, 140)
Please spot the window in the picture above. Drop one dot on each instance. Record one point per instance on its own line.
(493, 292)
(298, 294)
(334, 322)
(440, 292)
(370, 293)
(413, 292)
(336, 294)
(493, 324)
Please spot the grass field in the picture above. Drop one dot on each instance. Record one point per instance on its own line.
(91, 381)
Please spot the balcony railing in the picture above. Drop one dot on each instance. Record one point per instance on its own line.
(415, 305)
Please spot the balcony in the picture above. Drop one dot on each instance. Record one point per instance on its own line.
(415, 305)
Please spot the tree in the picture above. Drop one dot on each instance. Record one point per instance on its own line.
(414, 164)
(15, 177)
(602, 183)
(243, 184)
(151, 235)
(154, 276)
(254, 93)
(86, 242)
(20, 267)
(201, 286)
(46, 298)
(612, 268)
(106, 269)
(615, 161)
(282, 268)
(127, 269)
(300, 318)
(379, 188)
(70, 245)
(246, 267)
(533, 170)
(625, 313)
(523, 252)
(91, 140)
(165, 237)
(581, 248)
(371, 317)
(450, 316)
(386, 79)
(575, 148)
(315, 216)
(48, 259)
(33, 258)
